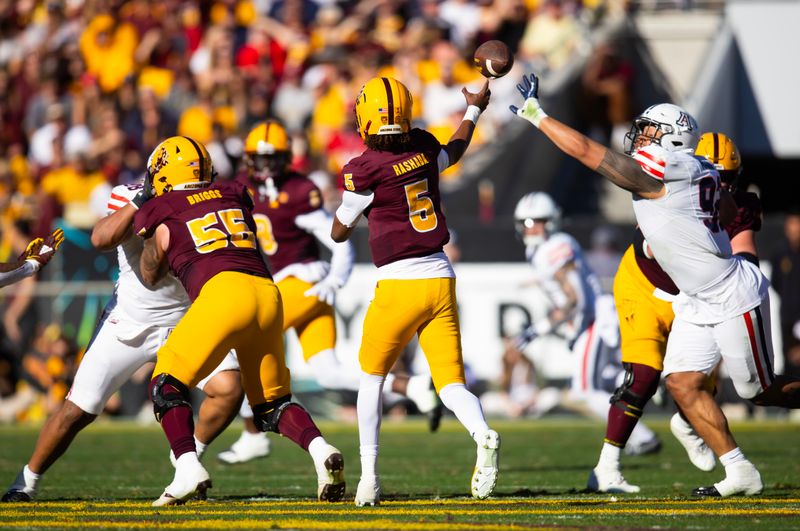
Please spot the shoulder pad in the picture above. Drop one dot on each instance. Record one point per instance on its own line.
(653, 160)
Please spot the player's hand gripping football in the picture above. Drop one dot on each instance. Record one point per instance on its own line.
(479, 99)
(41, 251)
(530, 110)
(324, 290)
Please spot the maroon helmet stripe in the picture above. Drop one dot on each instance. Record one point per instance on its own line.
(199, 154)
(716, 148)
(389, 99)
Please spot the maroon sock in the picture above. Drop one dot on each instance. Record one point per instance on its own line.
(622, 415)
(178, 424)
(297, 425)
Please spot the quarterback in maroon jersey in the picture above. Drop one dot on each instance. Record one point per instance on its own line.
(395, 183)
(291, 224)
(204, 233)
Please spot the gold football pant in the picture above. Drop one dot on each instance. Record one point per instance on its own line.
(312, 319)
(644, 320)
(233, 311)
(402, 308)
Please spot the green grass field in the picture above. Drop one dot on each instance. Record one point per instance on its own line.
(114, 470)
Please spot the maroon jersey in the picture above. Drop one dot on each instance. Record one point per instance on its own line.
(650, 268)
(281, 239)
(210, 231)
(405, 217)
(748, 213)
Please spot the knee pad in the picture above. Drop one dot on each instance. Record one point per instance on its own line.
(167, 392)
(267, 415)
(639, 386)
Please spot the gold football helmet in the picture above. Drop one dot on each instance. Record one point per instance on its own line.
(383, 107)
(720, 150)
(179, 163)
(267, 150)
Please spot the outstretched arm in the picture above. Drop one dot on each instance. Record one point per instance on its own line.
(621, 170)
(476, 104)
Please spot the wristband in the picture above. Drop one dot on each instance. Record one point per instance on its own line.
(34, 263)
(472, 114)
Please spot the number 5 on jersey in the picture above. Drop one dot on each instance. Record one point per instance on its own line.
(208, 238)
(420, 208)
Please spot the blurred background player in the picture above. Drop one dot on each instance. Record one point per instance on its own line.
(205, 233)
(396, 182)
(579, 312)
(36, 255)
(134, 324)
(291, 223)
(722, 308)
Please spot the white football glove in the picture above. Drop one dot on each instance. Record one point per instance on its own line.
(530, 110)
(325, 290)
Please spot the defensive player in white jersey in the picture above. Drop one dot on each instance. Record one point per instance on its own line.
(579, 313)
(722, 310)
(134, 324)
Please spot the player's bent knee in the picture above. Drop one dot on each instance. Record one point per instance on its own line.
(167, 392)
(267, 415)
(73, 415)
(638, 387)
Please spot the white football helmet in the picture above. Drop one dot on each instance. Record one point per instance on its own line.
(679, 130)
(536, 206)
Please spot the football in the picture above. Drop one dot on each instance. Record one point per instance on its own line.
(493, 59)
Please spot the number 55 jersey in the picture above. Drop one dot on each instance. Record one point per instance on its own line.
(683, 230)
(211, 230)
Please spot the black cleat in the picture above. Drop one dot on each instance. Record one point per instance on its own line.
(16, 496)
(706, 491)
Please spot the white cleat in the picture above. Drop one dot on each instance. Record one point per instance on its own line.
(190, 480)
(247, 447)
(741, 478)
(484, 477)
(700, 454)
(369, 492)
(330, 476)
(609, 480)
(20, 491)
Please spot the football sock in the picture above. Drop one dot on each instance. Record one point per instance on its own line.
(622, 415)
(609, 456)
(734, 456)
(466, 407)
(369, 407)
(178, 426)
(31, 477)
(318, 448)
(331, 374)
(369, 461)
(296, 425)
(200, 448)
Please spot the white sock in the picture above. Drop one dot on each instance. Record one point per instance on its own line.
(369, 461)
(466, 407)
(186, 460)
(31, 477)
(318, 448)
(245, 411)
(734, 456)
(609, 456)
(200, 447)
(370, 411)
(257, 435)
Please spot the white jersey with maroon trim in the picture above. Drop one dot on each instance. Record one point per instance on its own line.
(547, 259)
(166, 302)
(682, 229)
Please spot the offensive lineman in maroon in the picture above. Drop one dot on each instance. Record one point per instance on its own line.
(205, 233)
